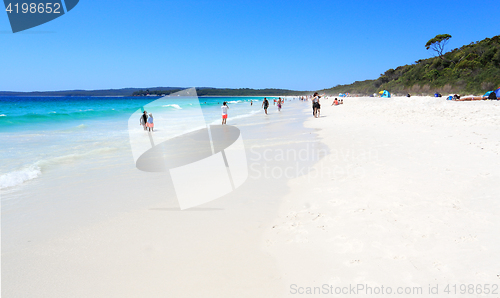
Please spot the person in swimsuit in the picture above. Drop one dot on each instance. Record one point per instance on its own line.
(143, 120)
(265, 105)
(335, 102)
(279, 104)
(315, 104)
(150, 123)
(224, 109)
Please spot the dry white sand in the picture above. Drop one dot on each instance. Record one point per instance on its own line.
(406, 194)
(409, 195)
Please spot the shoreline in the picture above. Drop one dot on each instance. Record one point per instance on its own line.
(107, 231)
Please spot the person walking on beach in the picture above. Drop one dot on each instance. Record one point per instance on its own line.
(265, 105)
(143, 120)
(315, 104)
(279, 104)
(224, 113)
(150, 124)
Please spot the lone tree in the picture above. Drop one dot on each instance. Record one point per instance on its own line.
(438, 43)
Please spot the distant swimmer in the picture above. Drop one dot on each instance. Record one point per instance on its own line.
(224, 109)
(150, 124)
(265, 105)
(251, 102)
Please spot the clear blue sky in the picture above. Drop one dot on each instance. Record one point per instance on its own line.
(301, 45)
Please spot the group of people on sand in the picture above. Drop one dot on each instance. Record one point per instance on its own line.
(316, 106)
(265, 106)
(279, 101)
(146, 121)
(336, 102)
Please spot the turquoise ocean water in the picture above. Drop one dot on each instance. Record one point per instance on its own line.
(39, 132)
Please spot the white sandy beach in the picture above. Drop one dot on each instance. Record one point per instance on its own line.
(413, 198)
(389, 192)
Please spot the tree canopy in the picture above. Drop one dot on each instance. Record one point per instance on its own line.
(438, 43)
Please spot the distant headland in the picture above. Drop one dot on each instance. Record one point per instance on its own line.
(160, 91)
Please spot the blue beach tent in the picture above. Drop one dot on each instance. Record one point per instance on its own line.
(385, 94)
(497, 92)
(490, 95)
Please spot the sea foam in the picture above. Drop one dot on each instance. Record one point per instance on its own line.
(19, 177)
(16, 178)
(173, 106)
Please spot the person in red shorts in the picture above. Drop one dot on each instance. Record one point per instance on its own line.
(150, 123)
(224, 109)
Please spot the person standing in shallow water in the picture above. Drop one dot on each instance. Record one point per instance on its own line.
(265, 105)
(143, 120)
(224, 109)
(150, 124)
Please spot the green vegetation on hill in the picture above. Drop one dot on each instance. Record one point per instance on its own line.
(204, 91)
(106, 92)
(224, 92)
(471, 69)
